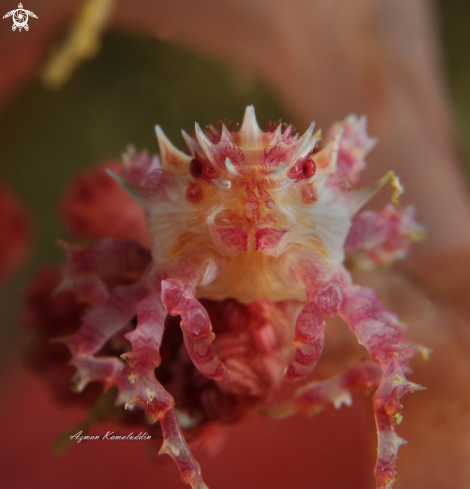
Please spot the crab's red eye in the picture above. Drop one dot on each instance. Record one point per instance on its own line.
(195, 168)
(308, 168)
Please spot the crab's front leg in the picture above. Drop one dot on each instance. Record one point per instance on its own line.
(383, 336)
(178, 295)
(145, 357)
(149, 393)
(323, 300)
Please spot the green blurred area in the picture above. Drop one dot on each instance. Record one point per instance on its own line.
(111, 101)
(454, 19)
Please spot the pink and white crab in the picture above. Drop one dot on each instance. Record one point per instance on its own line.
(248, 217)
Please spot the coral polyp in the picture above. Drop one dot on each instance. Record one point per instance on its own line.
(259, 223)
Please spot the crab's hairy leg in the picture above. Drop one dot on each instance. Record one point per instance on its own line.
(314, 396)
(307, 351)
(100, 323)
(178, 296)
(324, 298)
(383, 336)
(145, 358)
(176, 447)
(149, 393)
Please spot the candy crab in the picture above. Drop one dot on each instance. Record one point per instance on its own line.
(248, 217)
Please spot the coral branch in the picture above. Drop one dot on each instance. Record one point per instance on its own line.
(383, 336)
(16, 232)
(88, 268)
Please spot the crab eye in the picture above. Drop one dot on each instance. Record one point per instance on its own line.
(195, 168)
(308, 168)
(202, 168)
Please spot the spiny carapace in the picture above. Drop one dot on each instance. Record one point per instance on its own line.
(251, 204)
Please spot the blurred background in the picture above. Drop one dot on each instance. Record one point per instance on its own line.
(115, 98)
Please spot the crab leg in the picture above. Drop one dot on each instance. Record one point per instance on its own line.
(145, 358)
(314, 396)
(176, 447)
(324, 299)
(382, 335)
(100, 323)
(178, 296)
(149, 393)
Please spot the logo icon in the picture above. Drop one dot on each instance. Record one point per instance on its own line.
(20, 18)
